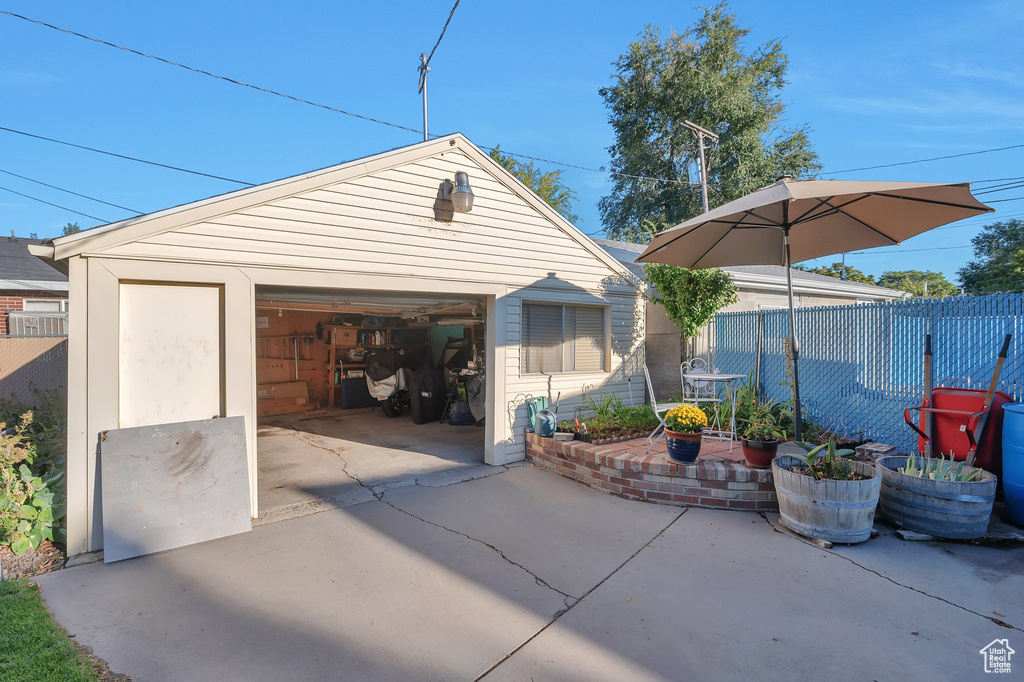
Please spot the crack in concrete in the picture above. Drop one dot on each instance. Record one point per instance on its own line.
(379, 490)
(586, 594)
(1000, 623)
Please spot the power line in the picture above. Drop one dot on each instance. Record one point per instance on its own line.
(396, 125)
(61, 189)
(1018, 177)
(999, 188)
(209, 73)
(42, 201)
(934, 158)
(885, 253)
(996, 201)
(311, 103)
(440, 37)
(123, 156)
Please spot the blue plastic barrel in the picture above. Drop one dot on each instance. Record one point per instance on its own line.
(1013, 461)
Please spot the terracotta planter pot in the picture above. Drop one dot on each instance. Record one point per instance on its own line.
(759, 453)
(683, 447)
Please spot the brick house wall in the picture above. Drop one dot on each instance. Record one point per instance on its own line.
(14, 300)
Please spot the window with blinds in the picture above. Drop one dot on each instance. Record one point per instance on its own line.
(559, 338)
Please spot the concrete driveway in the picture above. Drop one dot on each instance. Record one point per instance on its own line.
(523, 575)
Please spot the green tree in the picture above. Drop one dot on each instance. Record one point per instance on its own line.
(705, 75)
(839, 271)
(548, 186)
(914, 281)
(691, 297)
(70, 228)
(998, 264)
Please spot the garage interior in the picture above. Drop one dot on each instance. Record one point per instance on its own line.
(361, 390)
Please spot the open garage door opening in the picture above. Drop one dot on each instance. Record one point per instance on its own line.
(358, 391)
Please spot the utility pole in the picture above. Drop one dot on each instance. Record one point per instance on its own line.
(701, 133)
(424, 67)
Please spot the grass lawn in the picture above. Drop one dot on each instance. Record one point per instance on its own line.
(32, 646)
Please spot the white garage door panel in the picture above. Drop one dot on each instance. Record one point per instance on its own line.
(170, 354)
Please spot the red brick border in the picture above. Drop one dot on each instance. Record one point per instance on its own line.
(654, 478)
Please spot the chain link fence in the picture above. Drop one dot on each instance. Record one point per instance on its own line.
(862, 365)
(29, 363)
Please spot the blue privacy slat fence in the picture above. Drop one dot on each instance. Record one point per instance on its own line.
(861, 365)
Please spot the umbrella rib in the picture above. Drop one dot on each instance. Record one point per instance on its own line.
(840, 211)
(690, 231)
(769, 222)
(724, 222)
(931, 201)
(710, 248)
(820, 201)
(832, 209)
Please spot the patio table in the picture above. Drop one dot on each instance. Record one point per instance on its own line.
(728, 381)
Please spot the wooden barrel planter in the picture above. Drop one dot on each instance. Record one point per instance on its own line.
(946, 509)
(836, 511)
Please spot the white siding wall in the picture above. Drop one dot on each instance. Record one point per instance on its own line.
(625, 312)
(384, 224)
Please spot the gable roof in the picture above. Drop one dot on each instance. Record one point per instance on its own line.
(140, 227)
(626, 253)
(19, 269)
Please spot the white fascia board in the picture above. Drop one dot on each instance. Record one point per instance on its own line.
(33, 285)
(814, 287)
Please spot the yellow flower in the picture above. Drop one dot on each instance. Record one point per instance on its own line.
(686, 419)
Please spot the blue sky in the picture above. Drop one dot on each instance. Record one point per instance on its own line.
(877, 82)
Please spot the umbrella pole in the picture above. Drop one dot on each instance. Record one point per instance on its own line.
(794, 347)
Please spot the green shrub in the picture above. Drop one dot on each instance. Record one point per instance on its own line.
(32, 473)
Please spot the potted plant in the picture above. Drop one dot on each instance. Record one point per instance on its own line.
(936, 496)
(684, 431)
(826, 496)
(760, 438)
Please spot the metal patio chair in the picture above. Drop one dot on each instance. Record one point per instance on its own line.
(702, 392)
(658, 409)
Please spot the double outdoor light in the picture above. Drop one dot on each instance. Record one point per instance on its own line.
(460, 193)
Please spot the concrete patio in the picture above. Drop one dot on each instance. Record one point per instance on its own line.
(523, 574)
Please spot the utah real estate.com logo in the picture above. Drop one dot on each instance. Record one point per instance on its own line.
(997, 656)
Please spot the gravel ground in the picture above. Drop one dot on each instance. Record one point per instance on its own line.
(47, 558)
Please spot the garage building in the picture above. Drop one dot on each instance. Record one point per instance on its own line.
(321, 303)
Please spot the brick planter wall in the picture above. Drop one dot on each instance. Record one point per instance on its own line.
(655, 478)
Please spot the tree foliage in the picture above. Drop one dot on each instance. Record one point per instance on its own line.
(839, 271)
(998, 264)
(913, 281)
(691, 297)
(705, 75)
(548, 186)
(70, 228)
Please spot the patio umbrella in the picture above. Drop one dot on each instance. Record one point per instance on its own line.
(796, 220)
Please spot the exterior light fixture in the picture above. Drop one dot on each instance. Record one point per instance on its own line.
(462, 194)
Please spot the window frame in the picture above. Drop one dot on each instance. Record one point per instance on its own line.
(62, 304)
(606, 340)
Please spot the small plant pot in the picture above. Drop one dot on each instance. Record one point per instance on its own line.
(759, 453)
(683, 447)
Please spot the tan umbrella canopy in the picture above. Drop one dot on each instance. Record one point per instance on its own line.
(796, 220)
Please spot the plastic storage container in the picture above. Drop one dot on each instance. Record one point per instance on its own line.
(1013, 461)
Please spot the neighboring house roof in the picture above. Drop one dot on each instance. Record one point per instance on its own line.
(21, 271)
(140, 227)
(766, 276)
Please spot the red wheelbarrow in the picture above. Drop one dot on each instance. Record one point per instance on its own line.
(964, 422)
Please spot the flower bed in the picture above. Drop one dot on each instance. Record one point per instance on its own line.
(623, 471)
